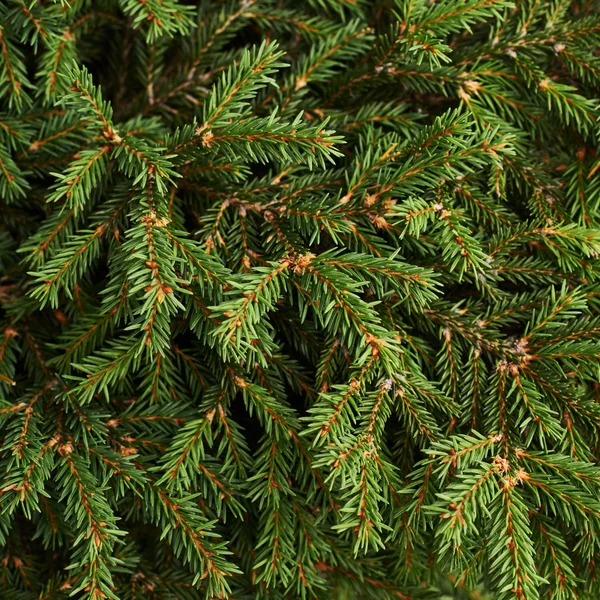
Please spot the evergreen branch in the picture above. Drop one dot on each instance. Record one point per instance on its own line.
(238, 85)
(13, 74)
(186, 530)
(513, 535)
(97, 529)
(162, 18)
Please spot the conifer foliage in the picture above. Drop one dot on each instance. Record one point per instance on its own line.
(299, 299)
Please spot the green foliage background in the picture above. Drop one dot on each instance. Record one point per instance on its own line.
(299, 299)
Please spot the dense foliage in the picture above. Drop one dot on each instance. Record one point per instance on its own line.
(299, 299)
